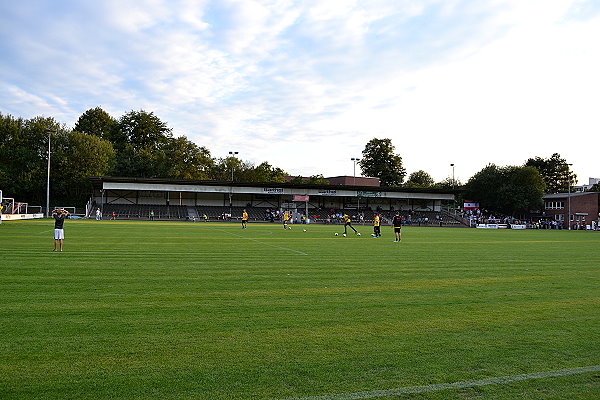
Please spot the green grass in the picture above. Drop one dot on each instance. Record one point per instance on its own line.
(156, 310)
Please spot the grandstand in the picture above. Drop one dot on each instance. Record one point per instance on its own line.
(136, 198)
(259, 214)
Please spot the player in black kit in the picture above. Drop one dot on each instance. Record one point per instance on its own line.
(397, 224)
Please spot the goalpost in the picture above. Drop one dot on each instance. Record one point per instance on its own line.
(10, 210)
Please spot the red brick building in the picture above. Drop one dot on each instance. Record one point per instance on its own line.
(584, 207)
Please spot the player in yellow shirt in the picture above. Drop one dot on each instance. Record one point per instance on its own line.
(286, 216)
(376, 226)
(348, 223)
(244, 219)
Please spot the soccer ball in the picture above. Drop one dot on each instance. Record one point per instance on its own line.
(358, 234)
(336, 234)
(289, 227)
(304, 230)
(343, 234)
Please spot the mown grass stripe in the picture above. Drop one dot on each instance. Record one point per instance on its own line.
(264, 243)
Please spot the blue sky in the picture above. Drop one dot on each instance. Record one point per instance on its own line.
(305, 85)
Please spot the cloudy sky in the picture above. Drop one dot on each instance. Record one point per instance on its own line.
(306, 84)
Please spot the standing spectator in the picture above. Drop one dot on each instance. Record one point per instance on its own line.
(59, 216)
(98, 215)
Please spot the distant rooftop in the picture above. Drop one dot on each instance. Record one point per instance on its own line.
(352, 181)
(345, 180)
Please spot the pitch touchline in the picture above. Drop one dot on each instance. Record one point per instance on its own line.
(455, 385)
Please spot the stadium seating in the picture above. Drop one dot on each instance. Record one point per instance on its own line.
(316, 215)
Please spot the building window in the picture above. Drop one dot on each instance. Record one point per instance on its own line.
(555, 205)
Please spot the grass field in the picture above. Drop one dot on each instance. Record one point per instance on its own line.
(159, 310)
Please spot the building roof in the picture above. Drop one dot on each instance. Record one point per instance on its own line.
(566, 195)
(97, 182)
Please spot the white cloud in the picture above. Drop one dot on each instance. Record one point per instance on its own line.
(461, 82)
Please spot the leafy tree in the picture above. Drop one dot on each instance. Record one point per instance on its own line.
(595, 188)
(509, 190)
(140, 138)
(317, 180)
(483, 187)
(448, 184)
(183, 159)
(139, 144)
(311, 180)
(265, 172)
(98, 122)
(523, 190)
(141, 129)
(245, 171)
(24, 157)
(223, 167)
(297, 180)
(555, 172)
(380, 161)
(78, 156)
(419, 179)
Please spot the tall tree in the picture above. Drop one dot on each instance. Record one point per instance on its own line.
(555, 171)
(24, 156)
(509, 190)
(419, 179)
(265, 172)
(448, 184)
(523, 190)
(318, 179)
(96, 121)
(223, 167)
(380, 161)
(139, 139)
(311, 180)
(78, 156)
(183, 159)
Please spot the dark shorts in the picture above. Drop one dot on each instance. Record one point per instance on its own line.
(397, 229)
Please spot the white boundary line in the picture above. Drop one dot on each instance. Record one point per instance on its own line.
(445, 386)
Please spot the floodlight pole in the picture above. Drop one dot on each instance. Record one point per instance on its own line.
(569, 195)
(49, 132)
(231, 154)
(453, 191)
(354, 161)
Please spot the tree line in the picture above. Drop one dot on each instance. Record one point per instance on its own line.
(137, 145)
(140, 145)
(511, 190)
